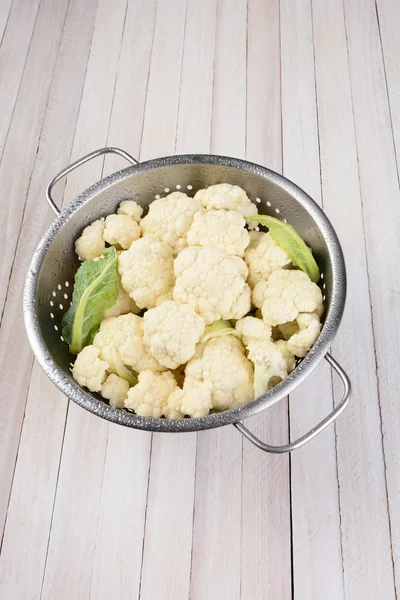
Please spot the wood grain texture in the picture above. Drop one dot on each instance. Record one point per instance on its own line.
(308, 88)
(314, 486)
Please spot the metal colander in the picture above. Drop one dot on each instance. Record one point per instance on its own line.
(49, 282)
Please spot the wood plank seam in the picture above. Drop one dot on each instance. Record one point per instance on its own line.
(331, 370)
(387, 89)
(20, 81)
(145, 517)
(6, 24)
(54, 498)
(370, 302)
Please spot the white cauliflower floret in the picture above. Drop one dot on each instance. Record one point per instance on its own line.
(171, 332)
(213, 283)
(174, 405)
(91, 244)
(222, 228)
(89, 370)
(121, 230)
(282, 345)
(131, 209)
(272, 360)
(120, 339)
(147, 272)
(252, 328)
(286, 294)
(224, 371)
(170, 218)
(149, 398)
(227, 196)
(263, 256)
(124, 304)
(309, 328)
(193, 400)
(115, 389)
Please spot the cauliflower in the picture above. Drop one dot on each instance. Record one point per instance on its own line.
(224, 371)
(309, 328)
(149, 398)
(90, 244)
(227, 196)
(123, 305)
(222, 228)
(263, 256)
(285, 294)
(115, 389)
(171, 332)
(120, 340)
(193, 400)
(121, 230)
(213, 283)
(170, 218)
(174, 405)
(147, 272)
(131, 209)
(272, 360)
(252, 328)
(89, 370)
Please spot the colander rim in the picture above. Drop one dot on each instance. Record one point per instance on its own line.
(308, 364)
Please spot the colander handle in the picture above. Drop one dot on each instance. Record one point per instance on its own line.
(315, 430)
(77, 164)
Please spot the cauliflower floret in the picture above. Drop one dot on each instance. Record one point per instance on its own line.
(121, 339)
(170, 218)
(174, 405)
(285, 294)
(263, 256)
(149, 398)
(171, 332)
(272, 360)
(222, 228)
(227, 196)
(309, 328)
(121, 230)
(252, 328)
(212, 282)
(282, 345)
(90, 244)
(124, 304)
(193, 400)
(224, 371)
(89, 370)
(130, 208)
(147, 272)
(115, 389)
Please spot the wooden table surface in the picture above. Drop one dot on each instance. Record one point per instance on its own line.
(311, 89)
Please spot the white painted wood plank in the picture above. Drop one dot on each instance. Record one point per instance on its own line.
(216, 559)
(317, 559)
(31, 503)
(5, 9)
(169, 518)
(266, 489)
(381, 207)
(66, 575)
(367, 561)
(119, 541)
(30, 533)
(196, 90)
(15, 180)
(121, 515)
(388, 12)
(13, 52)
(161, 115)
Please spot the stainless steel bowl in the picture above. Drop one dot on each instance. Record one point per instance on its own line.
(49, 281)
